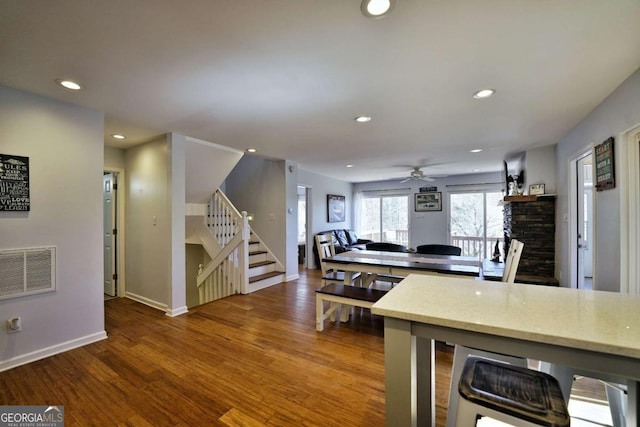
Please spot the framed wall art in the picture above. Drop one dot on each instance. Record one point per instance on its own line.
(604, 166)
(335, 208)
(427, 202)
(14, 183)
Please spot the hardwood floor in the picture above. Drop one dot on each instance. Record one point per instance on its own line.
(252, 360)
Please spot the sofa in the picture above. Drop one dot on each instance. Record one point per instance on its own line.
(343, 240)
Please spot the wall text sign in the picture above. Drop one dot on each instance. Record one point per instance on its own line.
(14, 183)
(605, 168)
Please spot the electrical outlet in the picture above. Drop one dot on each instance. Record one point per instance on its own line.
(14, 325)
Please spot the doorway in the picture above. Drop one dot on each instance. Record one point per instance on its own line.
(302, 226)
(584, 223)
(110, 231)
(305, 235)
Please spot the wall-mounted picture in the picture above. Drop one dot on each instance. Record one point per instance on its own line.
(427, 202)
(14, 183)
(335, 208)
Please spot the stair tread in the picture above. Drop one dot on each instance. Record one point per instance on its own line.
(257, 252)
(265, 276)
(261, 263)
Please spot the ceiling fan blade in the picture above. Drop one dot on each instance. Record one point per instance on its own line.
(405, 180)
(427, 178)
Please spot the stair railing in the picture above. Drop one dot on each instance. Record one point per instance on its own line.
(228, 271)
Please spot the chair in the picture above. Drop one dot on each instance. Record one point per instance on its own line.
(615, 388)
(461, 353)
(439, 250)
(324, 244)
(384, 246)
(512, 261)
(616, 394)
(515, 395)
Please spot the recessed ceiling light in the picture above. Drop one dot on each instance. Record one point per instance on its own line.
(376, 8)
(251, 150)
(484, 93)
(349, 166)
(118, 136)
(69, 84)
(475, 150)
(363, 119)
(475, 170)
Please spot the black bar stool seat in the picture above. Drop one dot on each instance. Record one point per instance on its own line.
(512, 394)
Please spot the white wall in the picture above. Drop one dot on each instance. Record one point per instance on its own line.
(618, 113)
(432, 227)
(207, 165)
(64, 144)
(148, 240)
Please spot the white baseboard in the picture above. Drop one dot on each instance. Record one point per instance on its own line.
(292, 277)
(50, 351)
(146, 301)
(177, 312)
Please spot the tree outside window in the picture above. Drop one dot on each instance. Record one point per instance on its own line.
(385, 219)
(476, 222)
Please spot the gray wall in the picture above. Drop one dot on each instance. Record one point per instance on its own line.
(114, 158)
(64, 144)
(257, 185)
(618, 113)
(148, 240)
(318, 186)
(541, 168)
(291, 220)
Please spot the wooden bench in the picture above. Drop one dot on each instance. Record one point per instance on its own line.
(338, 294)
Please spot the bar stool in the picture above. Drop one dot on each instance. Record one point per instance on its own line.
(511, 394)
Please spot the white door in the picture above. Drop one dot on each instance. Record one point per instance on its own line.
(584, 221)
(588, 230)
(109, 237)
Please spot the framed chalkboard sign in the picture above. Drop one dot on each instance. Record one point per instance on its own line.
(605, 167)
(14, 183)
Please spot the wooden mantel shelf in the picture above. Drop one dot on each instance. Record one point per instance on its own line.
(526, 198)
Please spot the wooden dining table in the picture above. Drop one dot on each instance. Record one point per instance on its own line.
(372, 264)
(589, 331)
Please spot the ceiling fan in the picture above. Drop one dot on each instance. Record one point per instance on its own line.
(417, 174)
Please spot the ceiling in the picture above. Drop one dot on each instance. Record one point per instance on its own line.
(288, 77)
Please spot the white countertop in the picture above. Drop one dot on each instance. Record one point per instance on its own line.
(606, 322)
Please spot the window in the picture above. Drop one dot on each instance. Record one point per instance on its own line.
(476, 222)
(384, 219)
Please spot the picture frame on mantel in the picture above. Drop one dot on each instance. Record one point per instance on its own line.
(536, 189)
(428, 202)
(336, 206)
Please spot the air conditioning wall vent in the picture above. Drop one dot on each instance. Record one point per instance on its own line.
(27, 271)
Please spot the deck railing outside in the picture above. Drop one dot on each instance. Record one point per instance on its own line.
(474, 246)
(471, 246)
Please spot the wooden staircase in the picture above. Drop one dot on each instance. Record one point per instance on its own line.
(240, 261)
(263, 268)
